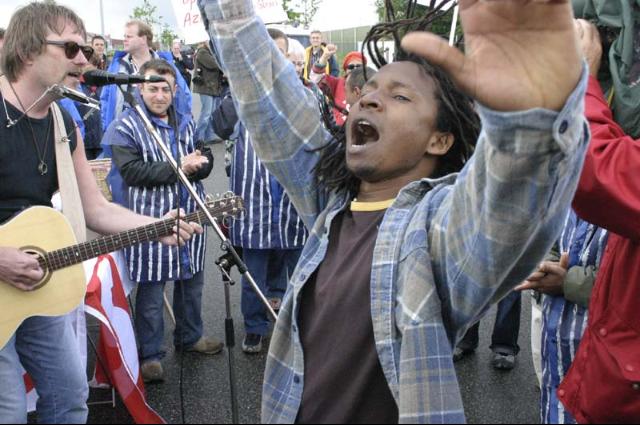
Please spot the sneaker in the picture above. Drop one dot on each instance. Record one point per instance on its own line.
(206, 345)
(151, 371)
(460, 353)
(503, 361)
(252, 343)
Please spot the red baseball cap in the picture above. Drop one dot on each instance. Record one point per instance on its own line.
(351, 57)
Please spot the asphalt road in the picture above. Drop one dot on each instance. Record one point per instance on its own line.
(490, 396)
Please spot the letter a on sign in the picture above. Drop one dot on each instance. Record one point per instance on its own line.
(191, 27)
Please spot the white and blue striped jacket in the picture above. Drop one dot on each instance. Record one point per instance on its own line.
(564, 322)
(270, 220)
(152, 261)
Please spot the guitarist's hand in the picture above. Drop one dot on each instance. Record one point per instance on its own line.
(19, 269)
(186, 231)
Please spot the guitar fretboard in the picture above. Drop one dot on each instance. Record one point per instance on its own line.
(76, 254)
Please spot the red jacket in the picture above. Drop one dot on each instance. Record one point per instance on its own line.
(603, 384)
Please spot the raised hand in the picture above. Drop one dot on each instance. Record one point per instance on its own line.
(520, 54)
(331, 49)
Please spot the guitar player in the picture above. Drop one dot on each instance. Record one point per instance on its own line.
(44, 43)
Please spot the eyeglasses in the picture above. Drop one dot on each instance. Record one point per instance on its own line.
(71, 48)
(353, 66)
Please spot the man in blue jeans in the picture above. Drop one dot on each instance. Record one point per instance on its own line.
(152, 189)
(44, 43)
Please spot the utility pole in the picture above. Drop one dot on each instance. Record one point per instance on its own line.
(102, 19)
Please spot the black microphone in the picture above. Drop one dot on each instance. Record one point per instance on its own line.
(102, 78)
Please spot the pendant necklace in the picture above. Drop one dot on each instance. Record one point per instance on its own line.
(43, 168)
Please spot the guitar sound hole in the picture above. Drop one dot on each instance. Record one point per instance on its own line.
(40, 255)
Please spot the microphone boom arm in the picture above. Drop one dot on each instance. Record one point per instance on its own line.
(61, 91)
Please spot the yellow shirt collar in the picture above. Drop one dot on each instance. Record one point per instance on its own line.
(371, 206)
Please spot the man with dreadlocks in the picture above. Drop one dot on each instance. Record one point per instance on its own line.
(403, 255)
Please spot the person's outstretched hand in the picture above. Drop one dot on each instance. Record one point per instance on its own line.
(549, 278)
(520, 54)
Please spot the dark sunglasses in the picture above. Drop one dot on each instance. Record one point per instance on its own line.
(353, 66)
(71, 48)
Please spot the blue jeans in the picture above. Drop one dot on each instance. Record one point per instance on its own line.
(506, 329)
(271, 269)
(204, 127)
(149, 318)
(47, 348)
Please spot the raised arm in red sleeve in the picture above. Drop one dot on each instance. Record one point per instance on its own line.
(332, 82)
(609, 190)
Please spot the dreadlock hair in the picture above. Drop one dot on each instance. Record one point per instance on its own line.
(456, 113)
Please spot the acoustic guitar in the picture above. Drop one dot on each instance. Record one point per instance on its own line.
(46, 234)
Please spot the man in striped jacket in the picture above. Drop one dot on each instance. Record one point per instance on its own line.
(154, 190)
(565, 279)
(271, 234)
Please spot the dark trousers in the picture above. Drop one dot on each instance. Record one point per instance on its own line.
(271, 269)
(506, 329)
(149, 319)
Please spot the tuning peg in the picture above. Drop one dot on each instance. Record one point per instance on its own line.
(209, 198)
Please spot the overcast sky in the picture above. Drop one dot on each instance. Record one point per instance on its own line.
(333, 14)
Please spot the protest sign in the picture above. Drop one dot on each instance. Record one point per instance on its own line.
(190, 25)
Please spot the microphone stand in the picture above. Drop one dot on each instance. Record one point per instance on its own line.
(229, 259)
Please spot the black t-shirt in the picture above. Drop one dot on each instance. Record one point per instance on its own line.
(343, 379)
(21, 185)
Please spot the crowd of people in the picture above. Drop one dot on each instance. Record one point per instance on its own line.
(388, 206)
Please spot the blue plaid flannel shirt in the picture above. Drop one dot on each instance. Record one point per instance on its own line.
(446, 250)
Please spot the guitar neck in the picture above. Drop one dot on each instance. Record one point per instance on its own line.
(67, 257)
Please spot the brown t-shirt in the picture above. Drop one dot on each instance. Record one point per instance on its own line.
(343, 379)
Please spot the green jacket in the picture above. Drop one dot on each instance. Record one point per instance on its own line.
(207, 76)
(624, 60)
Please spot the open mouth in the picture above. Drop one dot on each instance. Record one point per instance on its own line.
(74, 74)
(364, 133)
